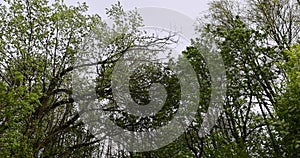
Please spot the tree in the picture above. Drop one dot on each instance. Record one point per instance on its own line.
(288, 107)
(40, 45)
(251, 40)
(38, 41)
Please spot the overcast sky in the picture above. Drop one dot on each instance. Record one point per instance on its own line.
(178, 14)
(191, 8)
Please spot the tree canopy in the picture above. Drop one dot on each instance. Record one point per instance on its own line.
(41, 42)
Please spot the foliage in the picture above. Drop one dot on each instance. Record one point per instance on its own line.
(40, 43)
(288, 108)
(251, 44)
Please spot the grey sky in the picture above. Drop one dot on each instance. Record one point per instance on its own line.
(191, 8)
(176, 14)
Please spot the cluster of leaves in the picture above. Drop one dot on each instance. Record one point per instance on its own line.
(288, 107)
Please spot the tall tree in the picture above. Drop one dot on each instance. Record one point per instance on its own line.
(40, 45)
(38, 42)
(251, 37)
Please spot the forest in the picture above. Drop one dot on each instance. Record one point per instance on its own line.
(52, 105)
